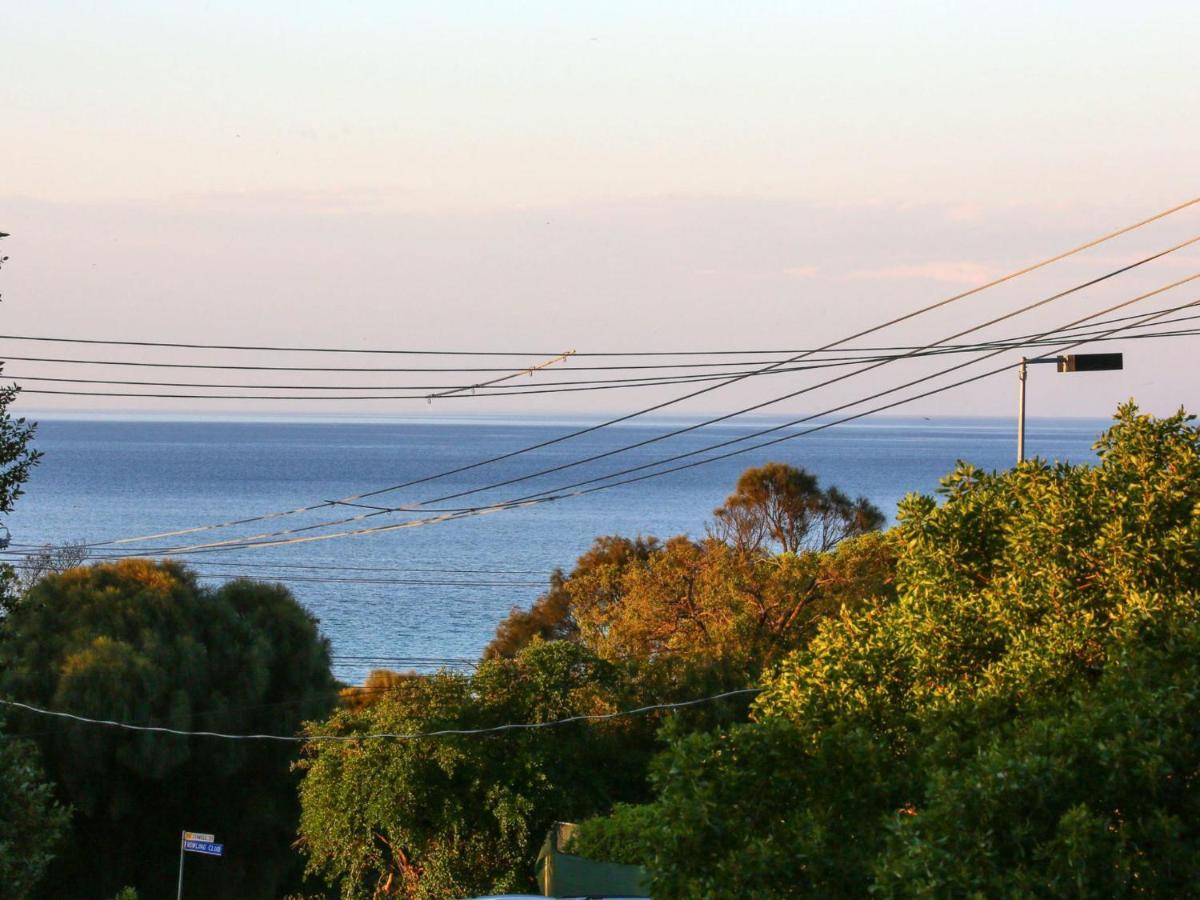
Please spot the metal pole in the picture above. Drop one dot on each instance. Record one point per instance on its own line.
(179, 893)
(1021, 374)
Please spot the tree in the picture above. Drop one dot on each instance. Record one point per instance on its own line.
(626, 836)
(49, 559)
(459, 815)
(17, 458)
(711, 602)
(32, 823)
(700, 601)
(1018, 720)
(143, 642)
(783, 505)
(595, 582)
(636, 622)
(549, 619)
(1099, 784)
(637, 597)
(378, 685)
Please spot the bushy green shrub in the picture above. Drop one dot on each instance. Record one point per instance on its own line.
(624, 836)
(1013, 723)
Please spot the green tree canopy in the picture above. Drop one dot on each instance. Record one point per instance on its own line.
(17, 459)
(32, 823)
(1014, 723)
(143, 642)
(636, 622)
(458, 815)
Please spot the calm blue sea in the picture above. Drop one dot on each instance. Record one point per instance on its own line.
(438, 591)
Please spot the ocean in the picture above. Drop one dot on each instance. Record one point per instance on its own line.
(438, 591)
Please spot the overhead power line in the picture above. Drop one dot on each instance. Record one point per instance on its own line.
(647, 410)
(603, 481)
(399, 736)
(541, 497)
(715, 364)
(502, 390)
(441, 391)
(496, 382)
(288, 537)
(979, 377)
(544, 497)
(319, 579)
(841, 355)
(248, 541)
(20, 551)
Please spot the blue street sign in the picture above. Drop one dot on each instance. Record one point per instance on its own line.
(204, 847)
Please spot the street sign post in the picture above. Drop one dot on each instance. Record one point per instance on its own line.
(196, 842)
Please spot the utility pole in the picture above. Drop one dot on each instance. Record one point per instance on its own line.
(1022, 375)
(1076, 362)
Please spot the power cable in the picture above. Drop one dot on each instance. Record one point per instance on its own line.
(794, 422)
(20, 554)
(452, 369)
(647, 410)
(1007, 367)
(314, 579)
(401, 736)
(595, 457)
(544, 497)
(292, 349)
(380, 369)
(498, 390)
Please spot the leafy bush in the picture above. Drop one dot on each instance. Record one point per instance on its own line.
(1015, 722)
(32, 823)
(455, 815)
(624, 836)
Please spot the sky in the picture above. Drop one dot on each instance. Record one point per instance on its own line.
(608, 176)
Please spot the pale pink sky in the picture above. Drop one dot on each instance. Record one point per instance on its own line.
(604, 176)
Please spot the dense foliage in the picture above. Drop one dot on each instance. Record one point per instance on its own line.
(636, 622)
(997, 697)
(625, 836)
(552, 616)
(31, 822)
(17, 458)
(458, 815)
(1018, 721)
(141, 642)
(729, 600)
